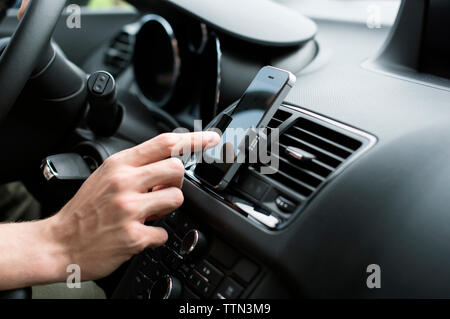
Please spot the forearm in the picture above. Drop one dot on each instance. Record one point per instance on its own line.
(29, 255)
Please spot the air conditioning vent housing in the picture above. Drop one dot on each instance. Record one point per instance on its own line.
(310, 151)
(119, 54)
(331, 147)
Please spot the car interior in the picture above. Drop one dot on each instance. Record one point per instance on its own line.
(363, 172)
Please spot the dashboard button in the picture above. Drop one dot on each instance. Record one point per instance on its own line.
(200, 285)
(285, 204)
(174, 242)
(229, 289)
(245, 270)
(210, 272)
(184, 226)
(223, 254)
(172, 219)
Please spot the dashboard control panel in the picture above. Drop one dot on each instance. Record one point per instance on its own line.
(193, 264)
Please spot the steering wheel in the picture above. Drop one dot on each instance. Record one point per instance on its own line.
(20, 58)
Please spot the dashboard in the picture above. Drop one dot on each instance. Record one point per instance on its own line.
(375, 194)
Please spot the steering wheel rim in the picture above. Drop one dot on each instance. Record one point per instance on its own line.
(29, 41)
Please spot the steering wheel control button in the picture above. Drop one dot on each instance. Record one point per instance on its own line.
(246, 270)
(210, 272)
(229, 289)
(194, 243)
(285, 204)
(167, 287)
(223, 254)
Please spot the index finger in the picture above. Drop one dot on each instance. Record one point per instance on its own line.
(169, 145)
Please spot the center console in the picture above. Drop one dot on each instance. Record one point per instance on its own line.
(193, 264)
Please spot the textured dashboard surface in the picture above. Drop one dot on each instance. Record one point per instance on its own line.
(345, 91)
(390, 208)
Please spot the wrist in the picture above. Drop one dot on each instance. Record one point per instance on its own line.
(31, 254)
(53, 252)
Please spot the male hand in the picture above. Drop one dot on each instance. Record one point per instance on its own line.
(103, 225)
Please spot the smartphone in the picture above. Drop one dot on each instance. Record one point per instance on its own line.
(255, 109)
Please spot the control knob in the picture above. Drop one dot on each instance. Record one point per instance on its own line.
(167, 287)
(194, 244)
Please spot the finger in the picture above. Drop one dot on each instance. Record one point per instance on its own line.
(160, 187)
(22, 9)
(169, 145)
(157, 204)
(152, 237)
(169, 172)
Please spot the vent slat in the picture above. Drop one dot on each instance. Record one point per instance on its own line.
(331, 149)
(305, 168)
(294, 170)
(328, 133)
(282, 115)
(279, 118)
(274, 123)
(324, 143)
(321, 154)
(120, 53)
(293, 184)
(315, 170)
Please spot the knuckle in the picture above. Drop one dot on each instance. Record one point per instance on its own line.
(111, 161)
(159, 237)
(135, 238)
(122, 203)
(169, 141)
(115, 182)
(177, 165)
(177, 197)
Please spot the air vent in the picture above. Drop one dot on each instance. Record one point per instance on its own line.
(312, 148)
(119, 54)
(279, 118)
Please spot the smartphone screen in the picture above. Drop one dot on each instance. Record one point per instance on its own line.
(255, 109)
